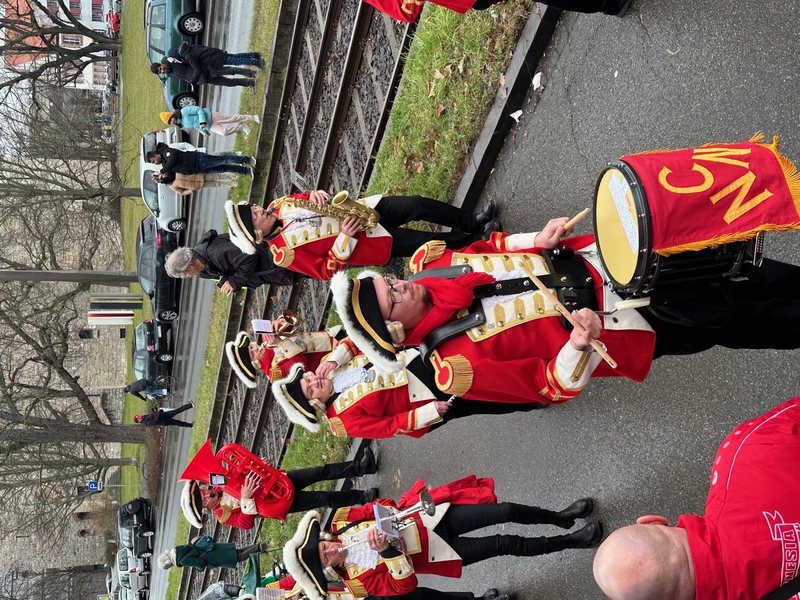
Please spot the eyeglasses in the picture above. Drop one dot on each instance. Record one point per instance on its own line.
(394, 295)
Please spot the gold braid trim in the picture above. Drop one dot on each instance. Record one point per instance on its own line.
(356, 588)
(275, 373)
(337, 427)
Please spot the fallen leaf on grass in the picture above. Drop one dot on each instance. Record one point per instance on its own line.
(419, 167)
(437, 74)
(448, 69)
(440, 110)
(431, 85)
(461, 66)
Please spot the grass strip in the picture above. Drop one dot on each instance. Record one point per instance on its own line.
(454, 68)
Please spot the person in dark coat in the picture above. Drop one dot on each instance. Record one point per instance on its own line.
(173, 160)
(141, 385)
(206, 57)
(164, 416)
(180, 70)
(217, 257)
(221, 555)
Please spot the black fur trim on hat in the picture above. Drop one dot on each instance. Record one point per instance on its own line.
(290, 397)
(238, 353)
(357, 306)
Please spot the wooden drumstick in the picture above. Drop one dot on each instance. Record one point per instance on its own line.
(568, 315)
(574, 220)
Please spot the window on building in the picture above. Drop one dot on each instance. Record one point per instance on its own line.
(87, 334)
(71, 41)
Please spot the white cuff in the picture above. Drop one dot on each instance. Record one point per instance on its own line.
(248, 506)
(343, 246)
(427, 415)
(521, 241)
(574, 368)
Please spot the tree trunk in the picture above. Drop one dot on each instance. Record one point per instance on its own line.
(68, 432)
(111, 278)
(124, 192)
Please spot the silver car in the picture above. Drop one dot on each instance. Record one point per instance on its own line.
(167, 206)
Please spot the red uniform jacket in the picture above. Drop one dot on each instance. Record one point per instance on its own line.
(316, 247)
(379, 581)
(748, 542)
(307, 349)
(408, 10)
(525, 342)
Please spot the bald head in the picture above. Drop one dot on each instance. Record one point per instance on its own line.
(645, 562)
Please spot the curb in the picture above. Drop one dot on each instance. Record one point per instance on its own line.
(510, 97)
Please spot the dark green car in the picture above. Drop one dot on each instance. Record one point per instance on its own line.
(167, 23)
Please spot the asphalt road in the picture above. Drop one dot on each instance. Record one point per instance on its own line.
(228, 27)
(671, 74)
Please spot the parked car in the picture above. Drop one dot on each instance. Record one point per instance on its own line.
(134, 524)
(133, 573)
(152, 352)
(152, 247)
(164, 203)
(167, 23)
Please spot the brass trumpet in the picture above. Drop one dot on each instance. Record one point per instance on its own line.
(400, 520)
(291, 323)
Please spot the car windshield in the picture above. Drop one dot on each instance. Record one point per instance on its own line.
(140, 366)
(150, 193)
(140, 336)
(126, 537)
(149, 142)
(122, 560)
(147, 269)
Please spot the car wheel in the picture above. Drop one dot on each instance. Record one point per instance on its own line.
(144, 573)
(147, 533)
(168, 315)
(177, 225)
(164, 357)
(191, 24)
(145, 554)
(184, 100)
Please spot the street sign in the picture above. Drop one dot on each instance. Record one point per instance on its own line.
(95, 486)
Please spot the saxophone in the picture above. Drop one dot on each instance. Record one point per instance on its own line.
(341, 207)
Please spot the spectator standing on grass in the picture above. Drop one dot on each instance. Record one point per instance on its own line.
(190, 162)
(185, 184)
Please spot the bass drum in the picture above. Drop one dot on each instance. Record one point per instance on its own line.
(623, 230)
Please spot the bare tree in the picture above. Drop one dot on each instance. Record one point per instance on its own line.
(75, 583)
(33, 32)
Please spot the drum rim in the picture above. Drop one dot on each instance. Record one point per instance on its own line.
(643, 217)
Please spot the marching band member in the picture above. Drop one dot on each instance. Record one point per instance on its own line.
(381, 567)
(240, 508)
(303, 237)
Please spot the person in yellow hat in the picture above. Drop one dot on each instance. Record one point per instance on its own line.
(208, 121)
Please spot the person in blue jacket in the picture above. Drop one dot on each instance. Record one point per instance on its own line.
(208, 121)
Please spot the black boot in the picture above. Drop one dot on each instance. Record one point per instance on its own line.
(487, 212)
(232, 590)
(367, 465)
(495, 594)
(370, 495)
(586, 537)
(579, 509)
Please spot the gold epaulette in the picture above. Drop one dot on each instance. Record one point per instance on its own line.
(426, 253)
(340, 516)
(453, 373)
(283, 256)
(275, 373)
(337, 427)
(223, 513)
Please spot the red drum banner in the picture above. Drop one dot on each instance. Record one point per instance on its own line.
(717, 193)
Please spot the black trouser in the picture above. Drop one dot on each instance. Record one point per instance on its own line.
(463, 518)
(169, 413)
(422, 593)
(400, 210)
(610, 7)
(762, 311)
(304, 500)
